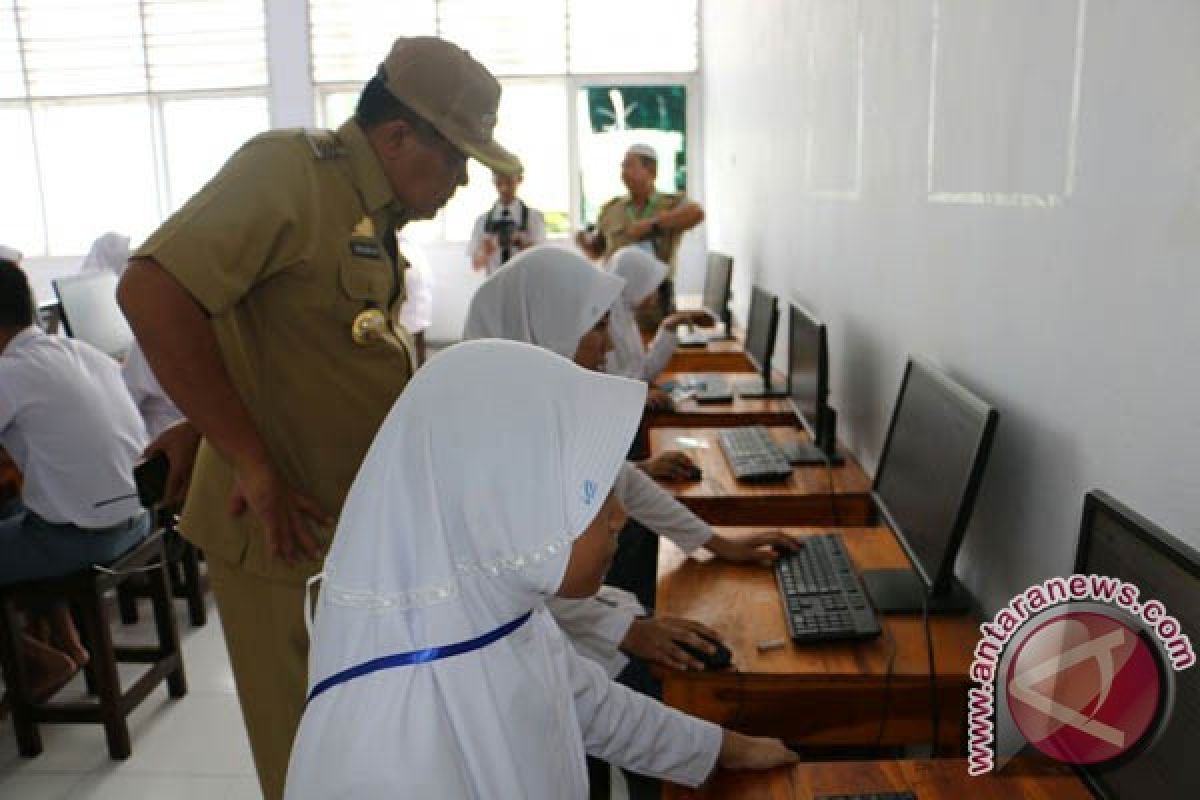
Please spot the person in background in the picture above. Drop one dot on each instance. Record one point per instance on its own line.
(109, 252)
(266, 307)
(646, 218)
(416, 315)
(73, 432)
(436, 671)
(505, 229)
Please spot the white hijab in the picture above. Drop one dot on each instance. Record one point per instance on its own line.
(546, 295)
(109, 252)
(642, 273)
(460, 520)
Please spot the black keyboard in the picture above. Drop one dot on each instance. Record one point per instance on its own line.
(753, 454)
(869, 796)
(823, 598)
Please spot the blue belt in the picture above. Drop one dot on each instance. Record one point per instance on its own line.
(417, 656)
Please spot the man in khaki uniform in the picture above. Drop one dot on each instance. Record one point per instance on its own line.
(265, 307)
(647, 218)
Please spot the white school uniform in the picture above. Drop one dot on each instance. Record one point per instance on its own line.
(72, 429)
(551, 297)
(457, 526)
(642, 273)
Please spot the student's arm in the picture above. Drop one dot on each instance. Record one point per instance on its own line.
(597, 625)
(652, 506)
(658, 355)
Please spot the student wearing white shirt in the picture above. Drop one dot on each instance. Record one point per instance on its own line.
(505, 229)
(435, 670)
(73, 431)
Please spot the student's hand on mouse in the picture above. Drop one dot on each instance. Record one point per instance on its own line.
(673, 465)
(658, 400)
(179, 443)
(285, 514)
(680, 318)
(758, 547)
(739, 751)
(655, 639)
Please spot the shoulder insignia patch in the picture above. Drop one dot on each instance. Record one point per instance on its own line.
(324, 145)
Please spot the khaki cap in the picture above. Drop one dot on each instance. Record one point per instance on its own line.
(451, 91)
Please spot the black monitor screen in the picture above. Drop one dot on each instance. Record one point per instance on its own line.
(808, 368)
(90, 312)
(930, 469)
(717, 280)
(1119, 543)
(760, 332)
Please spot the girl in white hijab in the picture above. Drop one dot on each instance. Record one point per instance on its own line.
(642, 273)
(554, 298)
(434, 670)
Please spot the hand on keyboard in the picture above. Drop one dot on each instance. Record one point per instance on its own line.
(763, 548)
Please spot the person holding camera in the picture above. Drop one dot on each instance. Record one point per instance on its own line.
(505, 229)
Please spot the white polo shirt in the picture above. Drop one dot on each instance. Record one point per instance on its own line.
(70, 425)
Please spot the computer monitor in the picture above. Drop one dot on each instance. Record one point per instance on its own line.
(760, 331)
(90, 312)
(929, 474)
(718, 280)
(1116, 542)
(808, 382)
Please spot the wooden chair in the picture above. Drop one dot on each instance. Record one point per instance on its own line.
(183, 572)
(86, 592)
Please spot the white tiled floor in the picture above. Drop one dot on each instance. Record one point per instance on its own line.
(193, 748)
(185, 749)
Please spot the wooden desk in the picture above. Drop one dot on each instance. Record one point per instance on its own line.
(725, 355)
(828, 694)
(803, 499)
(942, 779)
(741, 411)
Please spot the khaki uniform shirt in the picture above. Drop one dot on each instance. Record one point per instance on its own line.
(283, 248)
(619, 213)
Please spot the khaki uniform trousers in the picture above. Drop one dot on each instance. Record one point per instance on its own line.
(265, 616)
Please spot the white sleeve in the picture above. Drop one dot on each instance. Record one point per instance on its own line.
(157, 409)
(597, 625)
(627, 358)
(476, 238)
(659, 354)
(651, 505)
(537, 226)
(637, 732)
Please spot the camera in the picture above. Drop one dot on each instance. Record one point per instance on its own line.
(503, 229)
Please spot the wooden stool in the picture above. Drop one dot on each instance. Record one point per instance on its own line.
(183, 570)
(85, 592)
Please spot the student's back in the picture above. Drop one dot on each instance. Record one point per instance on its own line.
(70, 425)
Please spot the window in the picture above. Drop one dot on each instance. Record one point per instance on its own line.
(112, 112)
(543, 52)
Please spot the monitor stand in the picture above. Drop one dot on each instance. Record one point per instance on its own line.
(899, 591)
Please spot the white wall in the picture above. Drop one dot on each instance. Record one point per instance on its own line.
(1042, 244)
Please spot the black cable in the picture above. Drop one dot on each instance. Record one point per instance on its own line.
(933, 703)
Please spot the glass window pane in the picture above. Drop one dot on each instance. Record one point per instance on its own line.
(337, 107)
(633, 36)
(20, 203)
(12, 78)
(611, 118)
(526, 38)
(98, 171)
(205, 44)
(197, 147)
(74, 48)
(524, 106)
(351, 37)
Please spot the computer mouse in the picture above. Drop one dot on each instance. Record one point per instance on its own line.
(721, 659)
(694, 473)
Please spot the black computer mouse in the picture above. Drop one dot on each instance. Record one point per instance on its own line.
(721, 659)
(694, 473)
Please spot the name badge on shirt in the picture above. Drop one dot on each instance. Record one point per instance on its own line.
(366, 248)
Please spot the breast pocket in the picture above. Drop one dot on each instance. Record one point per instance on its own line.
(362, 282)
